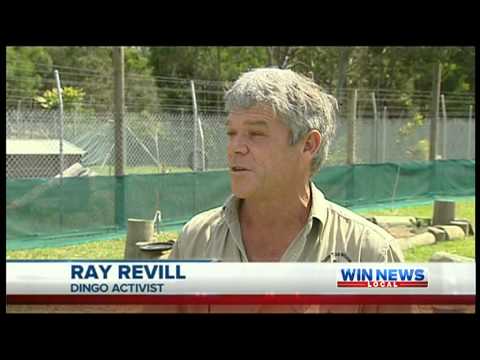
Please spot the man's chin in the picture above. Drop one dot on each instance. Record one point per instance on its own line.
(241, 192)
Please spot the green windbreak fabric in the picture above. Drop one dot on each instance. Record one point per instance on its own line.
(48, 212)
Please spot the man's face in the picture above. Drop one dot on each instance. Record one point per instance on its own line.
(262, 163)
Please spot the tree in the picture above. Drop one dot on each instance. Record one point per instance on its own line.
(26, 69)
(215, 64)
(72, 99)
(140, 87)
(92, 68)
(152, 73)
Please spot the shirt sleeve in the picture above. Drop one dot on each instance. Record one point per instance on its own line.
(176, 253)
(380, 246)
(393, 252)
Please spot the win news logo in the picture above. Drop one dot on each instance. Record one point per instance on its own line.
(382, 278)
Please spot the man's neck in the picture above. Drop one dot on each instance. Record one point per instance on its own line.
(269, 225)
(287, 208)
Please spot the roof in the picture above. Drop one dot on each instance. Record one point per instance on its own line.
(41, 147)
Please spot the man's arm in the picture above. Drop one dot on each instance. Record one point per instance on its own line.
(175, 252)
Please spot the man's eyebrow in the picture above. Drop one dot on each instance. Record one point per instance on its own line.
(257, 123)
(252, 123)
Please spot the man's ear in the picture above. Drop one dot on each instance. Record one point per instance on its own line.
(312, 142)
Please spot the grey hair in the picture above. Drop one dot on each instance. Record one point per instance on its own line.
(301, 104)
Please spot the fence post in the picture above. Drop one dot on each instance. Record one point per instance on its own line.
(60, 97)
(384, 134)
(19, 107)
(375, 130)
(119, 104)
(444, 128)
(437, 75)
(195, 125)
(202, 143)
(469, 133)
(197, 130)
(351, 130)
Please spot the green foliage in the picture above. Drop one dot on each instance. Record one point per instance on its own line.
(24, 78)
(404, 69)
(204, 63)
(72, 99)
(419, 151)
(412, 125)
(93, 68)
(140, 87)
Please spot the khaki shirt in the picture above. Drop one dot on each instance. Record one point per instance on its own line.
(332, 234)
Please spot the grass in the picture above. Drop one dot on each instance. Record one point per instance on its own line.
(463, 210)
(95, 250)
(464, 247)
(109, 170)
(114, 249)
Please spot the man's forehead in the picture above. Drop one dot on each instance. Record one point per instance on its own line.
(251, 116)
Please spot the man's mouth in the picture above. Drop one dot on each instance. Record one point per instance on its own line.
(238, 168)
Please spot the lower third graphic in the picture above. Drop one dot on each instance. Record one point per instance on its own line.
(382, 278)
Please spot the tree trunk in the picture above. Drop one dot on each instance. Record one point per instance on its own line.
(270, 55)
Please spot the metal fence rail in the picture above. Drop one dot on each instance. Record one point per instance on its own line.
(164, 142)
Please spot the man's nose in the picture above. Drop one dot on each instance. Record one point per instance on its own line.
(237, 145)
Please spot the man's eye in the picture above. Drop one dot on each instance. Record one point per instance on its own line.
(256, 134)
(230, 133)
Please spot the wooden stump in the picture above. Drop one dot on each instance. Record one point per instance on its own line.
(443, 212)
(426, 238)
(139, 230)
(453, 232)
(465, 225)
(440, 234)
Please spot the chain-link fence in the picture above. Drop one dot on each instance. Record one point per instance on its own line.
(164, 142)
(155, 143)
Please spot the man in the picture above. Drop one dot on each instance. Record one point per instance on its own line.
(280, 125)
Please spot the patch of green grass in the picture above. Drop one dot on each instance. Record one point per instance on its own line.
(131, 170)
(108, 170)
(114, 249)
(463, 210)
(463, 247)
(96, 250)
(106, 249)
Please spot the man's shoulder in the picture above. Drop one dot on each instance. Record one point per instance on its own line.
(365, 240)
(195, 235)
(205, 218)
(355, 219)
(334, 213)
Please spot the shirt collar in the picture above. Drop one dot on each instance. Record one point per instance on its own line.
(318, 209)
(319, 204)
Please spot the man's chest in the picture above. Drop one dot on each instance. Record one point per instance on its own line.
(268, 245)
